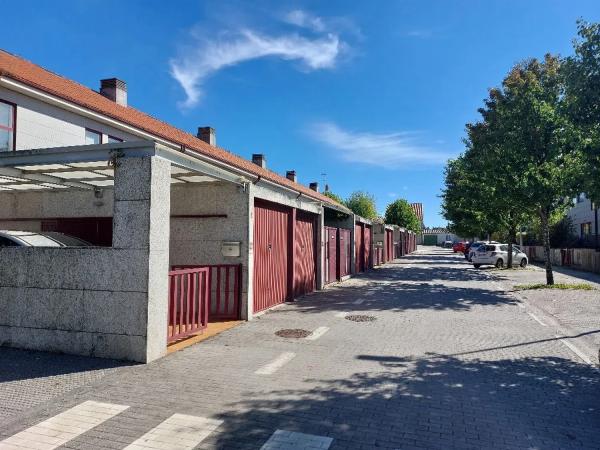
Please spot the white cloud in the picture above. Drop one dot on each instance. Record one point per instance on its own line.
(305, 20)
(208, 55)
(389, 150)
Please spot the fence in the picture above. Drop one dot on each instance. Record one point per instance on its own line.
(577, 258)
(224, 281)
(189, 291)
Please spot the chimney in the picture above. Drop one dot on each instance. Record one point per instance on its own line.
(208, 135)
(115, 90)
(291, 175)
(314, 186)
(260, 160)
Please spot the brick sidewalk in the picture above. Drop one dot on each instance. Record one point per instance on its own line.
(451, 361)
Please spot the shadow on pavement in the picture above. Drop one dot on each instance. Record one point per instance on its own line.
(18, 364)
(434, 402)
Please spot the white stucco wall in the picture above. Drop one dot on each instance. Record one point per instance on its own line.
(581, 212)
(40, 125)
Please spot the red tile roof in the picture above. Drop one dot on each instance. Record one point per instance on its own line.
(21, 70)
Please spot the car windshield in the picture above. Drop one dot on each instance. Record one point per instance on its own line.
(37, 240)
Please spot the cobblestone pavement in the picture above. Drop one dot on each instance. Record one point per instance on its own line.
(573, 313)
(451, 361)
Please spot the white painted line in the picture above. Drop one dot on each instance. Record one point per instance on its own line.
(291, 440)
(276, 364)
(63, 427)
(359, 301)
(536, 318)
(179, 431)
(317, 333)
(342, 314)
(575, 350)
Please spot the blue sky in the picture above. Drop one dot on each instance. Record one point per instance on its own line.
(373, 94)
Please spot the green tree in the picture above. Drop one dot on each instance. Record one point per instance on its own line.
(401, 213)
(582, 80)
(539, 139)
(334, 197)
(363, 204)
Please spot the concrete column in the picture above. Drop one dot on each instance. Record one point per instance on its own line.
(248, 259)
(141, 223)
(353, 245)
(321, 238)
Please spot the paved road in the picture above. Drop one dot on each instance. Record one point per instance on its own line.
(451, 361)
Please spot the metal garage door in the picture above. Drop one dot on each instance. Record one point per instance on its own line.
(305, 273)
(270, 254)
(345, 256)
(359, 248)
(331, 254)
(367, 247)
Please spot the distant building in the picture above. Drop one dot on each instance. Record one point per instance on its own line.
(436, 236)
(582, 214)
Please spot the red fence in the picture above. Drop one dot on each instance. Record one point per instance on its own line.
(224, 295)
(188, 302)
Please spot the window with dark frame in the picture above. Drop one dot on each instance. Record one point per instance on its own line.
(8, 119)
(92, 137)
(112, 139)
(586, 229)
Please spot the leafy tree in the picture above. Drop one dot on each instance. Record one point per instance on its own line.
(334, 197)
(582, 79)
(539, 140)
(401, 213)
(363, 204)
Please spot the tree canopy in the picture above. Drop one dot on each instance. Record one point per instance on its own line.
(335, 197)
(401, 213)
(363, 204)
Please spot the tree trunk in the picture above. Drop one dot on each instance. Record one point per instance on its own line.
(512, 237)
(544, 217)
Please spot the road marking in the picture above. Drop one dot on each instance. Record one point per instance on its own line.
(276, 364)
(342, 314)
(317, 333)
(536, 318)
(575, 350)
(291, 440)
(179, 431)
(63, 427)
(359, 301)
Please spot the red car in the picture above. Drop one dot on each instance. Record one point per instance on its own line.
(459, 247)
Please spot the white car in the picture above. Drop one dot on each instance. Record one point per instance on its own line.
(475, 246)
(497, 255)
(11, 238)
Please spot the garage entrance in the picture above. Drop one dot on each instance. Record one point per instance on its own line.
(305, 263)
(270, 254)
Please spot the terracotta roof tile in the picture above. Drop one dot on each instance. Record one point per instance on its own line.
(21, 70)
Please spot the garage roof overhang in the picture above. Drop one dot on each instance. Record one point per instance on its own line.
(92, 166)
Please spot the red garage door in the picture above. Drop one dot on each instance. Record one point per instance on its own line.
(367, 247)
(389, 237)
(359, 257)
(331, 254)
(270, 254)
(305, 267)
(345, 256)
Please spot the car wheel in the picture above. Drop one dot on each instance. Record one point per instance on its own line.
(523, 262)
(477, 266)
(499, 263)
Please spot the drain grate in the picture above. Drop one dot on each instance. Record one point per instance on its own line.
(360, 318)
(294, 333)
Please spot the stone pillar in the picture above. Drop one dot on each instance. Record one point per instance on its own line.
(321, 242)
(247, 306)
(142, 198)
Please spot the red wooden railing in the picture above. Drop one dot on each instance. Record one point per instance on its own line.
(224, 281)
(189, 291)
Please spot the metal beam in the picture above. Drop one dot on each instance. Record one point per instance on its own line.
(41, 178)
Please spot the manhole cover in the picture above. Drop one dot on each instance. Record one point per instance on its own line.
(296, 333)
(360, 318)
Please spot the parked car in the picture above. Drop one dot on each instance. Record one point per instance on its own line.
(475, 246)
(10, 238)
(459, 247)
(497, 255)
(447, 244)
